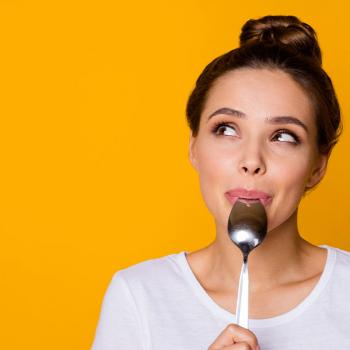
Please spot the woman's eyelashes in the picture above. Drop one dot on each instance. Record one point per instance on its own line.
(282, 135)
(288, 136)
(220, 127)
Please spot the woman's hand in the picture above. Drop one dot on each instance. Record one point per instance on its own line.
(235, 337)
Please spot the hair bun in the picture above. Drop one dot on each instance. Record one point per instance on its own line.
(282, 30)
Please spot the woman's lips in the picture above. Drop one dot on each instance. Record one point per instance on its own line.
(248, 196)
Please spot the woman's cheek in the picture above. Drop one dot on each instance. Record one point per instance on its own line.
(293, 172)
(288, 183)
(211, 178)
(214, 176)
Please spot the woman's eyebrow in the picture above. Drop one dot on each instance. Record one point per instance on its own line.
(228, 111)
(273, 120)
(287, 120)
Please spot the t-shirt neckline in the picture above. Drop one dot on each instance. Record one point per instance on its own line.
(266, 322)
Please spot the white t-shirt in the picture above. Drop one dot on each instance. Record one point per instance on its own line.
(159, 304)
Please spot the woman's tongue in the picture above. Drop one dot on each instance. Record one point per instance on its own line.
(251, 200)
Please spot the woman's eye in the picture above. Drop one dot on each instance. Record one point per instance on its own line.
(286, 136)
(223, 129)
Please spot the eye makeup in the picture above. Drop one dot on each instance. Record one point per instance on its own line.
(221, 125)
(218, 126)
(285, 131)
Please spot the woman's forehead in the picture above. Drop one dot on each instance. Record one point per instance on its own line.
(259, 92)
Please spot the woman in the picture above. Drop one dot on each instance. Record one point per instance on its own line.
(264, 119)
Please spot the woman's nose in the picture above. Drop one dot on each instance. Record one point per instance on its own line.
(252, 169)
(252, 162)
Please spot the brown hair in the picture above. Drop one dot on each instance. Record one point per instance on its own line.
(277, 42)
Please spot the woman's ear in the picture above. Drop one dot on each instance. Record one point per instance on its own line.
(318, 171)
(192, 151)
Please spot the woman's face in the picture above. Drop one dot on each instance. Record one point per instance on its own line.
(257, 132)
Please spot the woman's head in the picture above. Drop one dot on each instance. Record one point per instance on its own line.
(284, 43)
(264, 117)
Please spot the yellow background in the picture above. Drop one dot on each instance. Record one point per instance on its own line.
(94, 168)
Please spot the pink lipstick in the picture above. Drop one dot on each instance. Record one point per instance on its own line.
(248, 196)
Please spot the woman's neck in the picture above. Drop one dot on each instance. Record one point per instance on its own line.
(283, 257)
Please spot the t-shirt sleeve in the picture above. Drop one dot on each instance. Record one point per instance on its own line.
(119, 325)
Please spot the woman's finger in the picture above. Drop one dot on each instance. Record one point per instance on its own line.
(233, 334)
(237, 346)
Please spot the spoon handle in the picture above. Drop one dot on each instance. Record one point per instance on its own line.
(242, 298)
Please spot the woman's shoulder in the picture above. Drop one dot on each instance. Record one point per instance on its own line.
(342, 256)
(341, 261)
(150, 271)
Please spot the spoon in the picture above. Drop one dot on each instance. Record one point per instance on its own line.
(247, 227)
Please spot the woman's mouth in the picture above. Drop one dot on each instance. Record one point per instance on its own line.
(248, 196)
